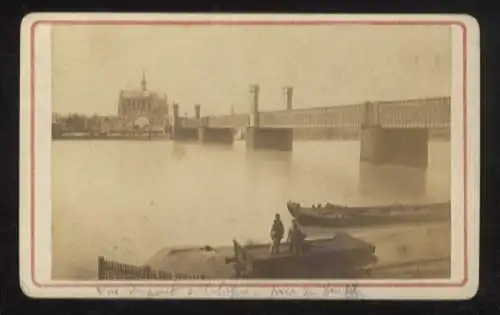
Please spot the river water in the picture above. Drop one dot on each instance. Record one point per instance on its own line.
(128, 199)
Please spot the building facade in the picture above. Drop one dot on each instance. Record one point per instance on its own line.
(143, 109)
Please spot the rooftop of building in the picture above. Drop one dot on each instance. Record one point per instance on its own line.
(141, 93)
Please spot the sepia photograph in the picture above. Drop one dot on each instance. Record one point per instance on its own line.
(212, 149)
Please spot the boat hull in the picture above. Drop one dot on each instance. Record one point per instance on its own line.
(345, 217)
(342, 256)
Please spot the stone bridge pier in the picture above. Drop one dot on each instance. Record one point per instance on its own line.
(197, 129)
(258, 138)
(394, 146)
(214, 135)
(181, 129)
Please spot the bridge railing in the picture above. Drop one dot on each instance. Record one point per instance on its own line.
(228, 121)
(188, 122)
(347, 116)
(416, 113)
(427, 113)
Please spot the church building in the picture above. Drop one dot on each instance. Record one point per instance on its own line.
(140, 108)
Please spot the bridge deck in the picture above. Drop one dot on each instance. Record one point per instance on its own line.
(429, 113)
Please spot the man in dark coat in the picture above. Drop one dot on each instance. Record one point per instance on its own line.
(277, 233)
(296, 239)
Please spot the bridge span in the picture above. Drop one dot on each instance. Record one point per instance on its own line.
(427, 113)
(394, 132)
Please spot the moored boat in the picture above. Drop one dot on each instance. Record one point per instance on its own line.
(337, 216)
(341, 256)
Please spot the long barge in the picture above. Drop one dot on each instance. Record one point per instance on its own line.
(336, 216)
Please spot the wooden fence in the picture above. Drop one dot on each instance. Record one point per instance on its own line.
(111, 270)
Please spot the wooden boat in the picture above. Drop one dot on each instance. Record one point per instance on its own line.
(342, 256)
(336, 216)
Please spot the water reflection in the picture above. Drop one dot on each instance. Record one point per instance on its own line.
(178, 150)
(390, 184)
(268, 180)
(276, 163)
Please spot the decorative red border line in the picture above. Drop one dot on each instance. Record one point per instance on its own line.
(242, 23)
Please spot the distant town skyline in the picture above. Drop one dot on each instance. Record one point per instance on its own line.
(214, 67)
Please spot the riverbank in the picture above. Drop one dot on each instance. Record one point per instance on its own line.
(403, 252)
(131, 138)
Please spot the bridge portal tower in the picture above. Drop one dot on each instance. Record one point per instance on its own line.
(197, 111)
(288, 97)
(175, 114)
(254, 105)
(258, 138)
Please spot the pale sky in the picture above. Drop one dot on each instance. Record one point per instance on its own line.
(214, 65)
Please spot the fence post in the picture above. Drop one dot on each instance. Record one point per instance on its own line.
(113, 270)
(100, 268)
(146, 272)
(123, 271)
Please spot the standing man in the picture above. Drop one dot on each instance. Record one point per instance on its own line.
(296, 239)
(277, 233)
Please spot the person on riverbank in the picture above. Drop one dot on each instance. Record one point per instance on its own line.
(277, 233)
(296, 239)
